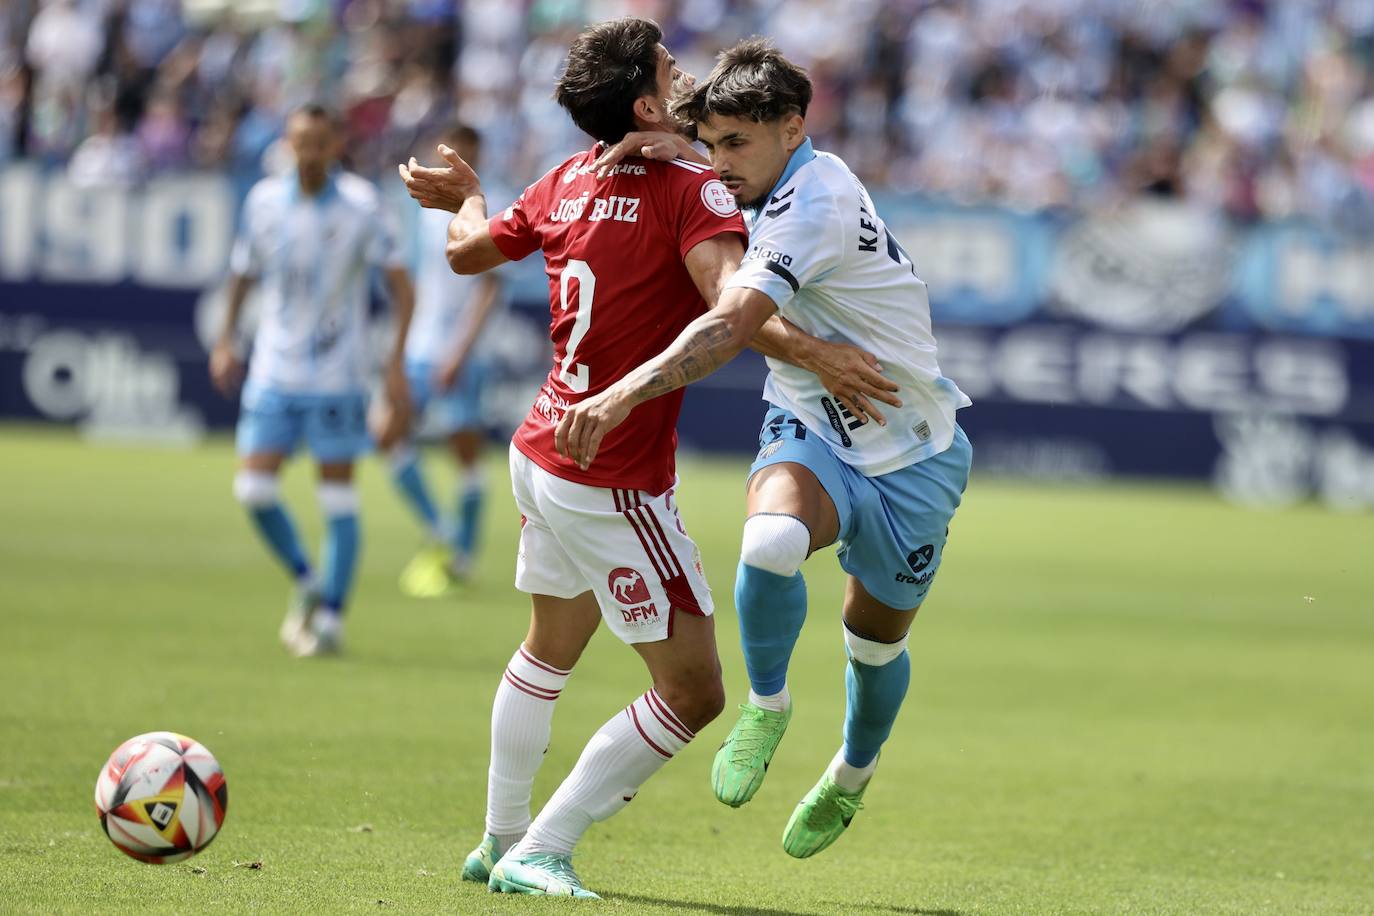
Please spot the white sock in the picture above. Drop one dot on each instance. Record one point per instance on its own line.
(623, 753)
(327, 623)
(849, 778)
(776, 702)
(521, 722)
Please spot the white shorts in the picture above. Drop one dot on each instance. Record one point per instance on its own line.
(627, 546)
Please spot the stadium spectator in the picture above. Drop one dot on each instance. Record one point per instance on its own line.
(1257, 109)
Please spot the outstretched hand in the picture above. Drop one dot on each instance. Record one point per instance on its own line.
(855, 378)
(443, 188)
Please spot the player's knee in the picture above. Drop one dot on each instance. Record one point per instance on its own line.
(256, 489)
(872, 652)
(337, 498)
(696, 701)
(775, 543)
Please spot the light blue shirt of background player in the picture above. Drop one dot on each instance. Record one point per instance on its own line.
(447, 369)
(312, 256)
(311, 239)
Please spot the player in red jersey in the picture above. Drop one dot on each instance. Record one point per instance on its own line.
(632, 259)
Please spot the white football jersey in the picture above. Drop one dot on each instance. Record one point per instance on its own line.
(818, 249)
(313, 258)
(443, 299)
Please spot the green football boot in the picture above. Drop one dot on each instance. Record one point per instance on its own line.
(538, 873)
(743, 758)
(479, 863)
(427, 575)
(820, 818)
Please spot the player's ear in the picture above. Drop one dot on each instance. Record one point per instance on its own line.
(648, 109)
(793, 131)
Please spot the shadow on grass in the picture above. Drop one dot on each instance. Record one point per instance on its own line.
(722, 910)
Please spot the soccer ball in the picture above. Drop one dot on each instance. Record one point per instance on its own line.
(161, 797)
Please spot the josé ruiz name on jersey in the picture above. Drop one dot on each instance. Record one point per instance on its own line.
(819, 250)
(443, 300)
(619, 294)
(312, 256)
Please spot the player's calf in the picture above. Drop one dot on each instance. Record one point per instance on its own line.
(770, 595)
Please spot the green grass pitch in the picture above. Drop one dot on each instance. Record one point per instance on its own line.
(1124, 700)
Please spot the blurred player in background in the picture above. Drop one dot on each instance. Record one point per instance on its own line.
(885, 491)
(446, 370)
(310, 237)
(631, 260)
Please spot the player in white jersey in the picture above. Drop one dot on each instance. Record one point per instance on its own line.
(310, 238)
(884, 487)
(447, 371)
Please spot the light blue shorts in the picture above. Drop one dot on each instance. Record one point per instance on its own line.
(892, 527)
(334, 426)
(457, 408)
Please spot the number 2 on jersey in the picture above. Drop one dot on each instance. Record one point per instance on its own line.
(576, 375)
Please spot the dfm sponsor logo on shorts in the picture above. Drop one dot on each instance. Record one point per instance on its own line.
(632, 592)
(919, 560)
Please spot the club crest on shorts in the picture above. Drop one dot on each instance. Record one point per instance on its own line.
(629, 587)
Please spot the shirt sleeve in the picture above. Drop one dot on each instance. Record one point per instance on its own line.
(244, 258)
(512, 230)
(793, 243)
(705, 210)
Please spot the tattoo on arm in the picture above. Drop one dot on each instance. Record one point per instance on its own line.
(701, 350)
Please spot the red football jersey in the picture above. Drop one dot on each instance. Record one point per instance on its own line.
(619, 294)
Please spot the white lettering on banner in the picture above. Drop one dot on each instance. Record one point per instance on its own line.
(965, 252)
(1201, 372)
(85, 233)
(1138, 367)
(1312, 373)
(19, 187)
(201, 206)
(1212, 372)
(1306, 273)
(173, 232)
(1344, 472)
(1274, 460)
(1037, 365)
(107, 380)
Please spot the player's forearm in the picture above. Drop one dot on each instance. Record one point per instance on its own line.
(236, 295)
(402, 310)
(703, 347)
(783, 340)
(465, 232)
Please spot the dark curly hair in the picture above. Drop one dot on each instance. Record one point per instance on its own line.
(610, 65)
(750, 80)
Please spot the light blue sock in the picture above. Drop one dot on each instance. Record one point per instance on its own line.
(772, 609)
(274, 524)
(874, 694)
(469, 517)
(341, 542)
(410, 481)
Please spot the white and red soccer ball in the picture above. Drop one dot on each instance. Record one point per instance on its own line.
(161, 797)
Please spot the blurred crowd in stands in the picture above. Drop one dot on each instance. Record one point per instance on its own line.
(1255, 108)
